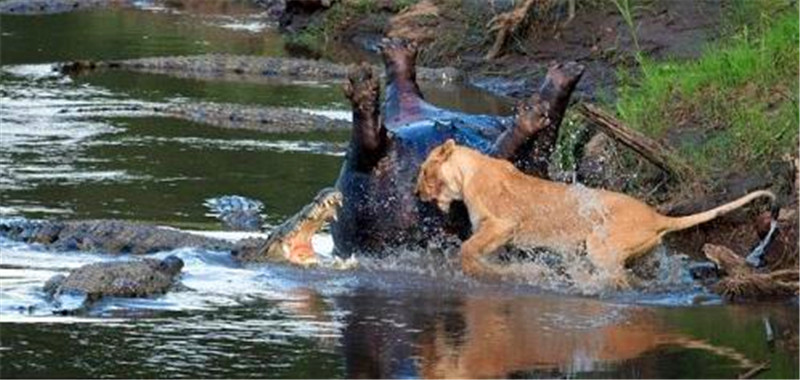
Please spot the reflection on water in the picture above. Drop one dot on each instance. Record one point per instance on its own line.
(127, 33)
(274, 321)
(390, 318)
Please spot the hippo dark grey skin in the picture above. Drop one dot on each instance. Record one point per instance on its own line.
(128, 279)
(388, 144)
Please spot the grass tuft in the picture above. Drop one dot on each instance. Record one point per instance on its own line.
(735, 107)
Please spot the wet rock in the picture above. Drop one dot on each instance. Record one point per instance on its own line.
(105, 236)
(275, 8)
(703, 271)
(130, 279)
(298, 14)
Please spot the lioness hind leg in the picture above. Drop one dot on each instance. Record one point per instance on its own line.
(607, 259)
(611, 254)
(492, 235)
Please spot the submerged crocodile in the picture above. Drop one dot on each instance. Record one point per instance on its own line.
(388, 144)
(229, 116)
(127, 279)
(220, 65)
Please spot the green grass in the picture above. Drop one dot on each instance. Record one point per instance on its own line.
(740, 97)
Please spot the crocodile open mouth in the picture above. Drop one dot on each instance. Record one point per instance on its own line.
(291, 241)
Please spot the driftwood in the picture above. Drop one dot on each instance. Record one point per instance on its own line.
(506, 24)
(740, 280)
(660, 155)
(752, 372)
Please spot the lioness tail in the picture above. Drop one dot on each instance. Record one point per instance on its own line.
(681, 223)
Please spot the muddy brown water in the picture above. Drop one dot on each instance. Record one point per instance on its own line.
(396, 319)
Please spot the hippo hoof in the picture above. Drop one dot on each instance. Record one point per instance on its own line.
(363, 89)
(532, 115)
(565, 75)
(394, 49)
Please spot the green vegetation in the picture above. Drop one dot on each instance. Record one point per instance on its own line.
(735, 107)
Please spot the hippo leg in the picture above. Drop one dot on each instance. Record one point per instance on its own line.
(369, 140)
(404, 101)
(531, 141)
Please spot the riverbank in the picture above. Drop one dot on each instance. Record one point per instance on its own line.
(713, 81)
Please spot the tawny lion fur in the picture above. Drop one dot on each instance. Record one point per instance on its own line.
(507, 206)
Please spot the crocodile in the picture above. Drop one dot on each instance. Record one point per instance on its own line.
(105, 236)
(289, 242)
(127, 279)
(388, 144)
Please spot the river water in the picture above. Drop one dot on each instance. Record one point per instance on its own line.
(396, 319)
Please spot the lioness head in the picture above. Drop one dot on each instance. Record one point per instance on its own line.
(436, 179)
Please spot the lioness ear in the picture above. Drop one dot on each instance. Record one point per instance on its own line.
(448, 147)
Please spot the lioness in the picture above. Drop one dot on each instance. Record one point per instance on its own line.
(508, 206)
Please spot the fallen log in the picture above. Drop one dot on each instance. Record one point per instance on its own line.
(658, 154)
(741, 281)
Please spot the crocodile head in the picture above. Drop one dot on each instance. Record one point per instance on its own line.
(291, 241)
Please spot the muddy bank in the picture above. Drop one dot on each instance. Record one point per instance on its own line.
(459, 35)
(214, 65)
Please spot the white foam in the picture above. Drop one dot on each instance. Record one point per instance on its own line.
(251, 26)
(331, 114)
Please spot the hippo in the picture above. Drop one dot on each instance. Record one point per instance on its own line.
(127, 279)
(388, 144)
